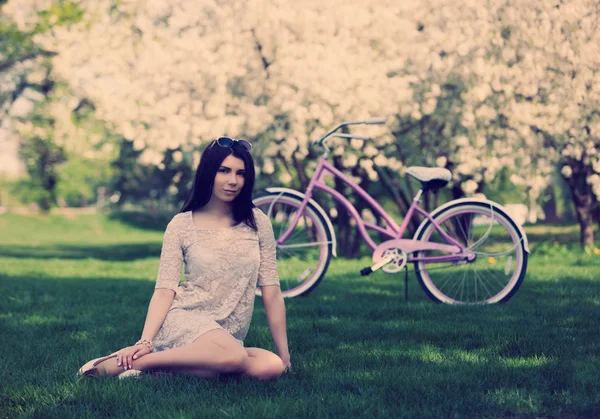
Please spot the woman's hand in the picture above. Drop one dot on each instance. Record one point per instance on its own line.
(287, 363)
(126, 356)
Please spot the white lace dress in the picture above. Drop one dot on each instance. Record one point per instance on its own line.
(222, 267)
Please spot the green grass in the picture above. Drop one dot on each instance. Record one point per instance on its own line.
(72, 289)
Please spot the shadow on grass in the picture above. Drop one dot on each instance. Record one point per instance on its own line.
(543, 233)
(143, 220)
(120, 252)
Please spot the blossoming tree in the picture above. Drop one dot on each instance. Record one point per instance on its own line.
(554, 51)
(482, 88)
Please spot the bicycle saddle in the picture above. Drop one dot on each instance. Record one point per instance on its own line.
(430, 177)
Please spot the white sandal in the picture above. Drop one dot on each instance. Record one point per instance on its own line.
(130, 374)
(90, 368)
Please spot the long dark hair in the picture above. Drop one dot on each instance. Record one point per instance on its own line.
(202, 189)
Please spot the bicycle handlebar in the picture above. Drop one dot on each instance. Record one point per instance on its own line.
(378, 120)
(360, 137)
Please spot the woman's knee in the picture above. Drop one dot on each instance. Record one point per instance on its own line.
(236, 360)
(272, 370)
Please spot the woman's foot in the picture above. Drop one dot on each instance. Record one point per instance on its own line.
(109, 367)
(105, 366)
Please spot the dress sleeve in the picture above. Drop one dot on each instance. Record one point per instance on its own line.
(171, 259)
(267, 271)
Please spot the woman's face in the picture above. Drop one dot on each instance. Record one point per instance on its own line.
(229, 179)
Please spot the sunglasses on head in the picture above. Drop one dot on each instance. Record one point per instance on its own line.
(228, 142)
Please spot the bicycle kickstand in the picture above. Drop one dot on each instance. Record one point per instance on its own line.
(405, 283)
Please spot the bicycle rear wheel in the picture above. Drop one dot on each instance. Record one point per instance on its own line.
(500, 259)
(303, 258)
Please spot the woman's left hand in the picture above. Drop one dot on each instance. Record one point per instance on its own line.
(287, 363)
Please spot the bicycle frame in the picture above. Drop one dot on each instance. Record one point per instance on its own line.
(392, 230)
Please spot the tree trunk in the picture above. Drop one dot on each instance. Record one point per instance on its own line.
(550, 206)
(344, 236)
(584, 208)
(348, 237)
(457, 192)
(343, 218)
(585, 219)
(356, 236)
(596, 213)
(425, 198)
(44, 205)
(301, 170)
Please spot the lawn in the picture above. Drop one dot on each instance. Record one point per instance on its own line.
(75, 288)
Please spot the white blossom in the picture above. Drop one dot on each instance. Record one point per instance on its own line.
(566, 171)
(469, 186)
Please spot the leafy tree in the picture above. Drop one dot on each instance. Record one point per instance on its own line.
(41, 156)
(25, 80)
(161, 187)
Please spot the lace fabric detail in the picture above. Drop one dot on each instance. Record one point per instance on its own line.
(222, 269)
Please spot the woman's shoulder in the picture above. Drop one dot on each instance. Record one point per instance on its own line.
(262, 221)
(179, 221)
(258, 212)
(259, 215)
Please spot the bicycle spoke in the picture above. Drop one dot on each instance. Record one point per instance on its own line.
(462, 286)
(478, 278)
(448, 277)
(465, 234)
(498, 281)
(475, 285)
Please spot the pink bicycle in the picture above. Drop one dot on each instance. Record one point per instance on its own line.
(467, 251)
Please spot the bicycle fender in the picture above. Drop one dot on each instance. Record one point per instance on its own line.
(316, 206)
(478, 201)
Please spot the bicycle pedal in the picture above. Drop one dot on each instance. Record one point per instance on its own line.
(366, 271)
(370, 269)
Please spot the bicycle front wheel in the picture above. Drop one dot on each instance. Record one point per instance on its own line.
(498, 263)
(303, 258)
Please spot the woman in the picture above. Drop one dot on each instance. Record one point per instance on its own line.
(228, 247)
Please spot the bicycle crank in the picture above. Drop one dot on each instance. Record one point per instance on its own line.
(391, 261)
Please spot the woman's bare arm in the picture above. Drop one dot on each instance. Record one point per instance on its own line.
(157, 311)
(275, 310)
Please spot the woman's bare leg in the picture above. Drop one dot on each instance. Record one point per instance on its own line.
(213, 353)
(216, 351)
(262, 364)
